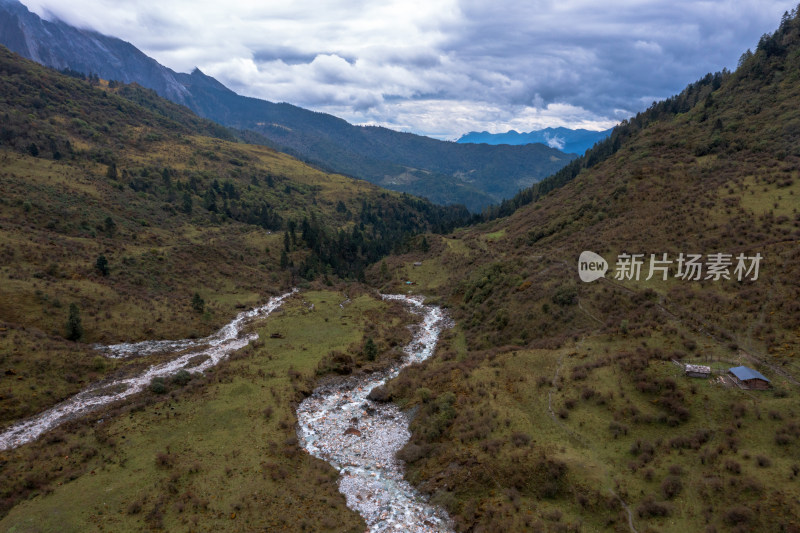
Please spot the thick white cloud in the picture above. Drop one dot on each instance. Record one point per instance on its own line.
(446, 67)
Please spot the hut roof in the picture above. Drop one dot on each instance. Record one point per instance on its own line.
(744, 373)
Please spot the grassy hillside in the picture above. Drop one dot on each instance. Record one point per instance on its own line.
(569, 411)
(153, 223)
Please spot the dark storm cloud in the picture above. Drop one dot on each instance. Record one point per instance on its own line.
(604, 56)
(446, 67)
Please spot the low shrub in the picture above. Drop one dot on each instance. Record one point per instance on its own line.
(158, 386)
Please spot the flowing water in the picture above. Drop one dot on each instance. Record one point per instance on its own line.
(337, 423)
(360, 438)
(209, 351)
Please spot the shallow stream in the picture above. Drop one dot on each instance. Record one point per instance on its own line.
(209, 351)
(360, 438)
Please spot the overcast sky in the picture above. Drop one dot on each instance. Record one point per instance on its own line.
(442, 67)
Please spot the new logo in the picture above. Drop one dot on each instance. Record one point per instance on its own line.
(591, 266)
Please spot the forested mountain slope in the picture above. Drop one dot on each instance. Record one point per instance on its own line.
(445, 172)
(174, 206)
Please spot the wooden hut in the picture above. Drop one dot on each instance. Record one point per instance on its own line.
(752, 379)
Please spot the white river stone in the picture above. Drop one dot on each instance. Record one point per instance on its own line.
(371, 477)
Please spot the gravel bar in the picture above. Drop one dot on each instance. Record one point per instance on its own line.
(360, 438)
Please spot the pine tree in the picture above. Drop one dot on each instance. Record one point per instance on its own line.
(102, 265)
(370, 350)
(210, 200)
(292, 226)
(424, 245)
(198, 304)
(110, 226)
(74, 326)
(187, 203)
(166, 177)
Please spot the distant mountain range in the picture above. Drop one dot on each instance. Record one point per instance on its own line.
(564, 139)
(445, 172)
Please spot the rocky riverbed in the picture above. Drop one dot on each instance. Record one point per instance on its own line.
(198, 355)
(360, 438)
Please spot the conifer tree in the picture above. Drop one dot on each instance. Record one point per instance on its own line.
(187, 203)
(74, 326)
(198, 304)
(102, 265)
(370, 350)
